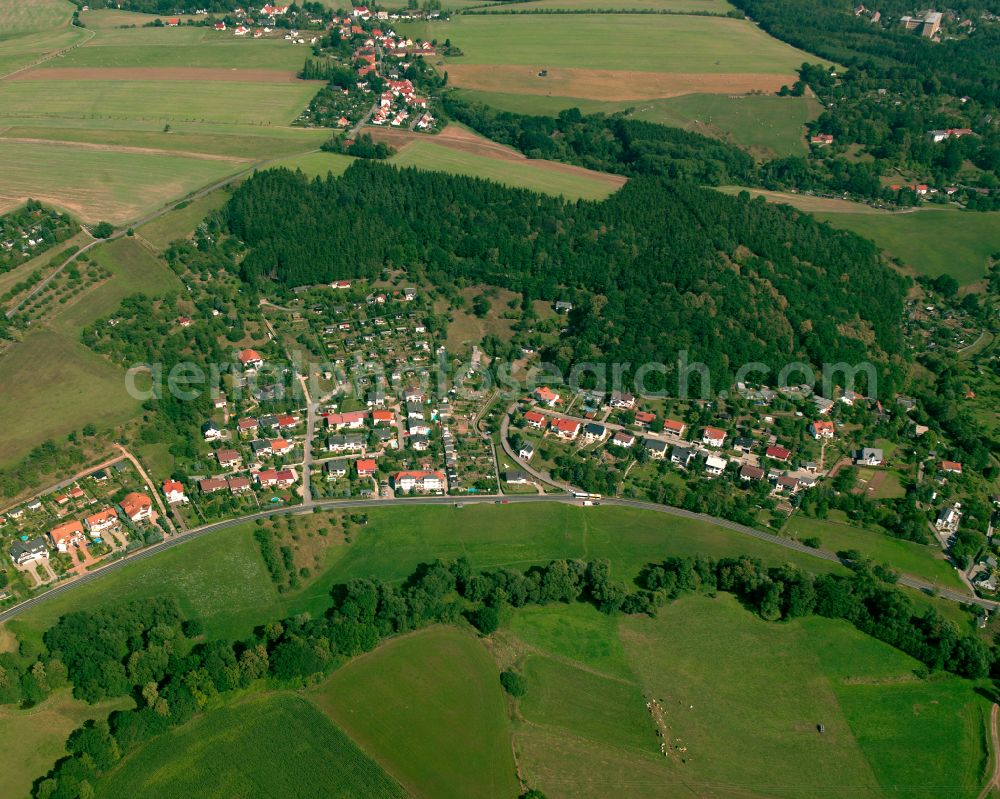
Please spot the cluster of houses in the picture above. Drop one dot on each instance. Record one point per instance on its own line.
(135, 507)
(400, 91)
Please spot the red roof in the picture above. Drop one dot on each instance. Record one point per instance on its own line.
(644, 417)
(714, 433)
(951, 466)
(249, 356)
(366, 465)
(535, 417)
(778, 453)
(135, 503)
(565, 425)
(170, 486)
(671, 425)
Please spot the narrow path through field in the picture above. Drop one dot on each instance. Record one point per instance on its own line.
(54, 54)
(122, 148)
(994, 753)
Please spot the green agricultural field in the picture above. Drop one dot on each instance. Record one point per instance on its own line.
(642, 43)
(239, 141)
(99, 185)
(317, 164)
(53, 385)
(32, 740)
(181, 101)
(768, 125)
(538, 176)
(429, 708)
(164, 48)
(22, 50)
(931, 242)
(264, 746)
(919, 560)
(32, 16)
(675, 6)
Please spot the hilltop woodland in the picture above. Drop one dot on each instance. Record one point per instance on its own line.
(657, 268)
(897, 86)
(146, 649)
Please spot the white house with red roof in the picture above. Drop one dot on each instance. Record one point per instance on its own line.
(821, 428)
(66, 535)
(713, 437)
(673, 428)
(101, 521)
(137, 507)
(365, 466)
(275, 478)
(174, 492)
(566, 429)
(420, 480)
(546, 396)
(250, 359)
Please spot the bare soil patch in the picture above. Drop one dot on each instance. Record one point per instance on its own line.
(603, 84)
(219, 74)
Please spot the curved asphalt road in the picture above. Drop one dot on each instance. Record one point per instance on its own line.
(197, 532)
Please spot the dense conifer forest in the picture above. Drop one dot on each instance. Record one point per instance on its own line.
(659, 267)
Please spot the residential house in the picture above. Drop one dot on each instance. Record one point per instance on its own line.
(621, 399)
(516, 477)
(174, 492)
(748, 472)
(645, 418)
(260, 448)
(211, 431)
(348, 442)
(527, 451)
(566, 429)
(383, 417)
(250, 359)
(785, 484)
(269, 422)
(101, 521)
(137, 507)
(714, 465)
(422, 481)
(228, 458)
(594, 432)
(67, 535)
(351, 420)
(280, 446)
(414, 410)
(869, 456)
(823, 405)
(951, 467)
(681, 456)
(246, 426)
(288, 422)
(623, 439)
(535, 419)
(563, 307)
(671, 427)
(335, 468)
(821, 428)
(713, 436)
(210, 485)
(777, 453)
(22, 552)
(948, 520)
(744, 444)
(419, 442)
(237, 485)
(365, 467)
(275, 478)
(657, 449)
(546, 396)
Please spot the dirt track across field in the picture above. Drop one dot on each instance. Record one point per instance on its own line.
(179, 74)
(612, 85)
(459, 138)
(121, 148)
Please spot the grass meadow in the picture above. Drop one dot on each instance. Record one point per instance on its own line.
(538, 176)
(32, 16)
(50, 366)
(767, 124)
(33, 739)
(932, 242)
(316, 164)
(429, 708)
(264, 746)
(921, 560)
(181, 222)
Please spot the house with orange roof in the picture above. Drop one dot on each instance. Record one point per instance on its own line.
(713, 436)
(546, 396)
(67, 535)
(421, 480)
(137, 507)
(174, 492)
(103, 520)
(250, 359)
(821, 428)
(365, 466)
(567, 429)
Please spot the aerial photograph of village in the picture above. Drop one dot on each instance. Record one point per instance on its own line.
(500, 399)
